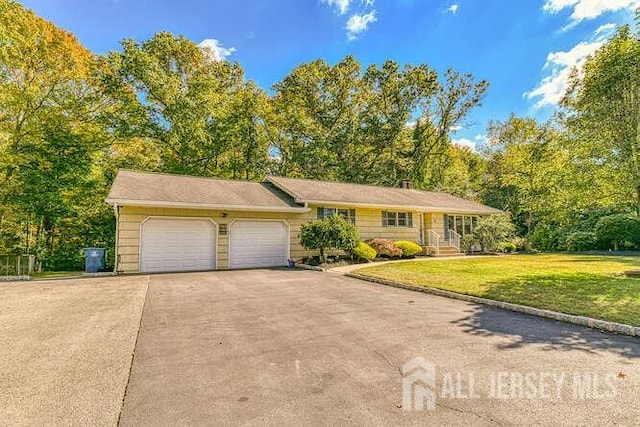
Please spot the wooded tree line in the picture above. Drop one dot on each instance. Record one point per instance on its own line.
(69, 119)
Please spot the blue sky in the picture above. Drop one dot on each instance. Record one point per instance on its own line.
(524, 48)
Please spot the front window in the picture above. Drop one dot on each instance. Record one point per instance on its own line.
(462, 224)
(348, 214)
(397, 219)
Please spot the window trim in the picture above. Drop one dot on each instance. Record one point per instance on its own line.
(326, 211)
(394, 219)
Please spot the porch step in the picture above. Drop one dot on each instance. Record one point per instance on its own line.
(443, 251)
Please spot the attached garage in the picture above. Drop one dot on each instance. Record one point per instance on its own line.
(177, 244)
(260, 243)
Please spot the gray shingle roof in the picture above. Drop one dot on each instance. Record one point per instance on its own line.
(276, 194)
(159, 189)
(311, 191)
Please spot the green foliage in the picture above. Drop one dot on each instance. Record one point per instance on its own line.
(525, 171)
(333, 232)
(546, 238)
(506, 247)
(520, 243)
(602, 115)
(364, 252)
(409, 249)
(581, 241)
(621, 230)
(385, 248)
(343, 123)
(493, 229)
(469, 243)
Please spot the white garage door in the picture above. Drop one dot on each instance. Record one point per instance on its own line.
(172, 244)
(258, 244)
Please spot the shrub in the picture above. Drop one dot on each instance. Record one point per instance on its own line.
(493, 229)
(546, 238)
(619, 230)
(333, 232)
(385, 248)
(408, 248)
(520, 243)
(506, 247)
(364, 251)
(581, 241)
(469, 244)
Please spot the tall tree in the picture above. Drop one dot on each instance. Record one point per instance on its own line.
(602, 112)
(191, 107)
(49, 123)
(525, 171)
(376, 126)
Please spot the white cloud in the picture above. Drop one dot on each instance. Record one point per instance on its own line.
(216, 50)
(589, 9)
(359, 23)
(464, 142)
(604, 31)
(560, 64)
(553, 87)
(453, 8)
(341, 5)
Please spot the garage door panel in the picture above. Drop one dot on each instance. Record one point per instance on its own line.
(258, 244)
(177, 245)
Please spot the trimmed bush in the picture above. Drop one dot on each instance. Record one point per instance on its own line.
(581, 241)
(364, 251)
(333, 232)
(506, 247)
(409, 249)
(385, 248)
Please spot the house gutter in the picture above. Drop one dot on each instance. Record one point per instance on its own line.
(419, 209)
(167, 204)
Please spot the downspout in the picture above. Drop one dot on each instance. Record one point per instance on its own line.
(116, 258)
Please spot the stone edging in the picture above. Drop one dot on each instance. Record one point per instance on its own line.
(14, 278)
(618, 328)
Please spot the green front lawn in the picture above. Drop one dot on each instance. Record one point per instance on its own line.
(586, 285)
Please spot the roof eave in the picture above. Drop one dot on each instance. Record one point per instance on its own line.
(425, 209)
(212, 206)
(296, 197)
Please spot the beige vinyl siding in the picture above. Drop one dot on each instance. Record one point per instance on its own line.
(368, 222)
(435, 222)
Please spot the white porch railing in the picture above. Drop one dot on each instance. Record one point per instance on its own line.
(433, 240)
(454, 239)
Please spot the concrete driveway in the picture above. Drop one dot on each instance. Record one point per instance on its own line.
(299, 347)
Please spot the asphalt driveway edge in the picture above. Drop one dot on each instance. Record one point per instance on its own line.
(603, 325)
(133, 352)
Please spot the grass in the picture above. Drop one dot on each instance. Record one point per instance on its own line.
(586, 285)
(55, 274)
